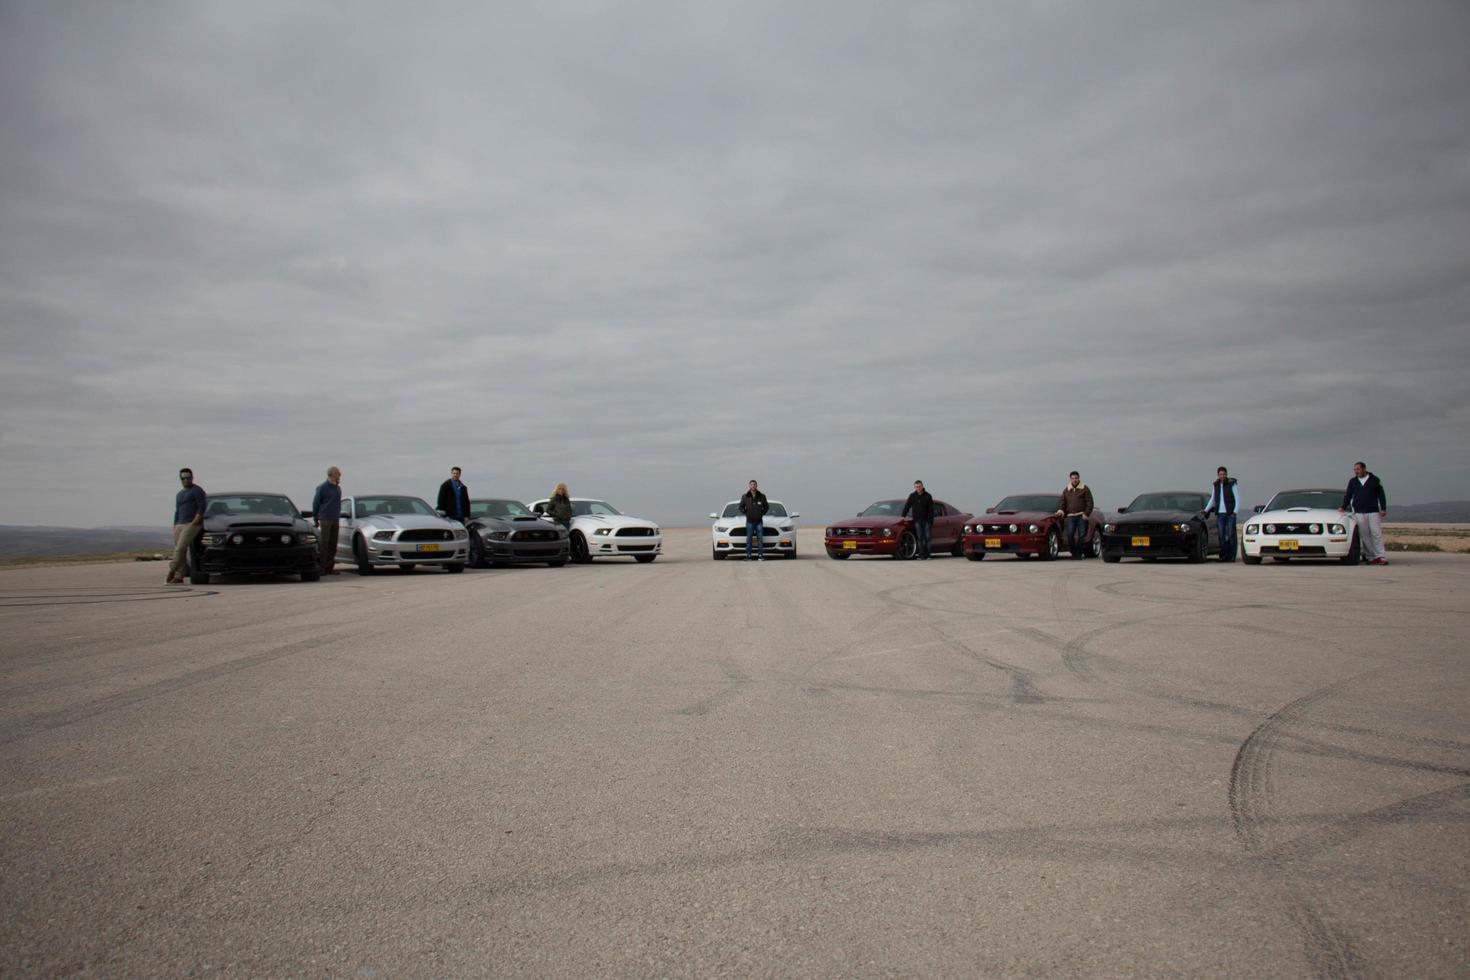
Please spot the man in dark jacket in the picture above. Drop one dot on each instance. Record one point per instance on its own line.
(753, 505)
(1076, 509)
(189, 506)
(326, 510)
(1369, 505)
(921, 505)
(454, 497)
(1225, 504)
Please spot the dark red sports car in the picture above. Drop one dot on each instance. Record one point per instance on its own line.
(1027, 525)
(879, 530)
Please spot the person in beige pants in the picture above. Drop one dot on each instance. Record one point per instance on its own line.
(188, 520)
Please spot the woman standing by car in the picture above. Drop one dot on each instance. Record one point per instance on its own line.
(559, 507)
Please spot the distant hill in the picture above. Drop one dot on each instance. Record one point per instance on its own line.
(1444, 512)
(47, 542)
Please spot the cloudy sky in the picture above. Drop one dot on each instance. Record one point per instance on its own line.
(656, 249)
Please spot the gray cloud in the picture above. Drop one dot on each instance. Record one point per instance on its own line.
(656, 249)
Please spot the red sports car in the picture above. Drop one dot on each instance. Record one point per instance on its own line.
(1027, 525)
(879, 530)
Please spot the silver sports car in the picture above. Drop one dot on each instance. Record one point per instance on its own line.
(401, 532)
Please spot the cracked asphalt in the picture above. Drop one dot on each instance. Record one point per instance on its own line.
(799, 768)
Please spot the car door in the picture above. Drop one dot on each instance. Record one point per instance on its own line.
(943, 525)
(345, 530)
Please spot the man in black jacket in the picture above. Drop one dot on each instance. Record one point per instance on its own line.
(1365, 498)
(753, 505)
(454, 497)
(921, 503)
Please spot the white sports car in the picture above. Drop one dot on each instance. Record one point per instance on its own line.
(728, 532)
(1300, 524)
(599, 530)
(400, 532)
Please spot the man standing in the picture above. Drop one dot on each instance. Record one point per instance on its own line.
(1369, 504)
(454, 497)
(326, 507)
(753, 505)
(1076, 509)
(188, 519)
(1225, 504)
(921, 503)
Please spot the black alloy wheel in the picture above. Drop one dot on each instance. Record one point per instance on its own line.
(360, 555)
(580, 554)
(312, 574)
(1354, 552)
(716, 554)
(958, 550)
(1197, 553)
(477, 550)
(1094, 547)
(197, 575)
(908, 547)
(1053, 546)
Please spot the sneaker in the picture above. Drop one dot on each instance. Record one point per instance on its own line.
(1379, 561)
(761, 558)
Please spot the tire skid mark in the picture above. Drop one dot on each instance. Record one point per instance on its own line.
(14, 731)
(737, 679)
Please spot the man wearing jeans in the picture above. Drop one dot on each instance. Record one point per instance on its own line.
(1225, 504)
(753, 505)
(1076, 509)
(1369, 504)
(188, 519)
(921, 504)
(326, 508)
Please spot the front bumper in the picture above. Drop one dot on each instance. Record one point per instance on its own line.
(1305, 545)
(289, 559)
(1007, 544)
(781, 542)
(527, 551)
(391, 553)
(856, 545)
(625, 546)
(1176, 544)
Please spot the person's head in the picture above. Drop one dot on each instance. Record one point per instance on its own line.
(1075, 477)
(186, 476)
(918, 486)
(754, 486)
(334, 475)
(1221, 472)
(561, 491)
(454, 472)
(1360, 469)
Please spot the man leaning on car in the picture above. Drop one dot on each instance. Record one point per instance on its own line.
(921, 504)
(326, 507)
(189, 506)
(454, 497)
(1369, 504)
(1076, 509)
(1225, 504)
(753, 505)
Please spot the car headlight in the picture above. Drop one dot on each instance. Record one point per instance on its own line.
(383, 536)
(1110, 528)
(1270, 528)
(787, 528)
(237, 539)
(216, 539)
(1033, 528)
(827, 532)
(1013, 529)
(888, 532)
(308, 537)
(1181, 527)
(969, 529)
(1252, 528)
(460, 534)
(602, 532)
(498, 535)
(1337, 529)
(1315, 528)
(726, 530)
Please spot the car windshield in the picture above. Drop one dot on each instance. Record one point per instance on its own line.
(1186, 502)
(884, 508)
(733, 510)
(368, 506)
(1321, 499)
(499, 508)
(594, 508)
(1046, 503)
(231, 504)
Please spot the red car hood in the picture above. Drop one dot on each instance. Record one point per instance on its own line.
(1019, 517)
(873, 522)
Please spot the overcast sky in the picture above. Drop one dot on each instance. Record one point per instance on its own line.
(657, 249)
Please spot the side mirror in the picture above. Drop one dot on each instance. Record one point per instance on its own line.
(714, 517)
(795, 514)
(1259, 508)
(306, 514)
(990, 510)
(1122, 510)
(441, 513)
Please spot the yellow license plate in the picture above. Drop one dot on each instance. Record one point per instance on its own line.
(1288, 545)
(992, 542)
(428, 547)
(1140, 542)
(849, 546)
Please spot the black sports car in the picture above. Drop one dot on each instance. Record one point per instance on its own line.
(1170, 524)
(503, 532)
(254, 534)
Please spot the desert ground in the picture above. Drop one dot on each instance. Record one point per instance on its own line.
(789, 768)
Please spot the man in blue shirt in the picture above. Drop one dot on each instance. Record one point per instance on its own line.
(1225, 504)
(189, 507)
(326, 508)
(454, 497)
(1368, 502)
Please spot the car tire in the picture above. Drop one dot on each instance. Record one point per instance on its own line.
(311, 574)
(1197, 553)
(360, 555)
(580, 554)
(1094, 548)
(644, 559)
(716, 554)
(1053, 546)
(908, 547)
(1355, 551)
(976, 555)
(1249, 559)
(1111, 558)
(477, 551)
(958, 551)
(838, 555)
(197, 576)
(454, 568)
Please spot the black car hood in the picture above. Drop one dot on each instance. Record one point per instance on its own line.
(271, 522)
(1156, 517)
(514, 524)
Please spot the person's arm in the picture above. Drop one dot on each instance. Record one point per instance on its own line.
(906, 505)
(1347, 498)
(1382, 497)
(1087, 502)
(203, 500)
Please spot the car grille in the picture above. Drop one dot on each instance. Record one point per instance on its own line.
(1293, 528)
(1000, 528)
(259, 559)
(426, 534)
(738, 531)
(635, 547)
(1144, 530)
(546, 535)
(853, 532)
(1305, 551)
(635, 532)
(255, 539)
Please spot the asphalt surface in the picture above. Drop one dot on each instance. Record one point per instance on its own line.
(789, 768)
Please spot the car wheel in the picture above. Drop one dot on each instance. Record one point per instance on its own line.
(312, 574)
(644, 559)
(1094, 549)
(1354, 552)
(580, 554)
(360, 555)
(1111, 558)
(477, 551)
(1197, 553)
(958, 550)
(1250, 559)
(1053, 546)
(908, 546)
(976, 555)
(791, 555)
(716, 554)
(454, 568)
(197, 576)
